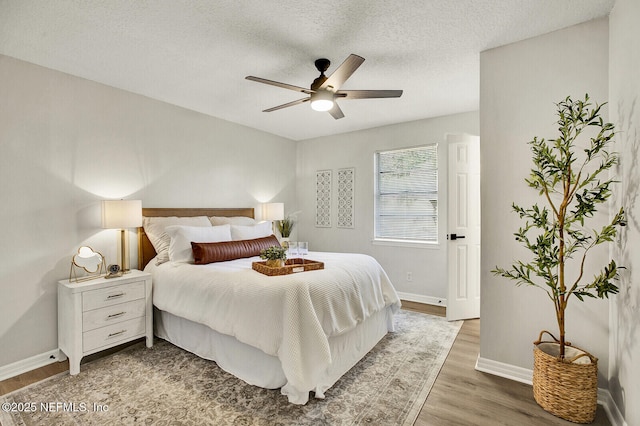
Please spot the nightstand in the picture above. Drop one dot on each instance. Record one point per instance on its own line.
(101, 313)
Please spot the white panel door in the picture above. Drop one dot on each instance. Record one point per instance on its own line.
(463, 245)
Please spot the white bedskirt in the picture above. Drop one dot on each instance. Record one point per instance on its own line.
(260, 369)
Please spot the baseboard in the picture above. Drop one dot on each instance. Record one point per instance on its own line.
(428, 300)
(507, 371)
(611, 408)
(32, 363)
(524, 375)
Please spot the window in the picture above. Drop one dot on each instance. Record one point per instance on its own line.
(406, 204)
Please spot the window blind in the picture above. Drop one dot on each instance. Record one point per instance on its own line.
(406, 204)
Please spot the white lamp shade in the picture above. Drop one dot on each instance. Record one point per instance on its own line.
(273, 211)
(121, 214)
(322, 100)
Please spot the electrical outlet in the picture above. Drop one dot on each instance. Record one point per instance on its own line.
(409, 276)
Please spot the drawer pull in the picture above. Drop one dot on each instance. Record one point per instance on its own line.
(117, 333)
(114, 296)
(113, 316)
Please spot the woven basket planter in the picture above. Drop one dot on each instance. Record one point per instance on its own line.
(565, 388)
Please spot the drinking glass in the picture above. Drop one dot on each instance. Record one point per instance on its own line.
(303, 249)
(293, 249)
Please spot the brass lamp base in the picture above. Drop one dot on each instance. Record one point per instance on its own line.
(123, 251)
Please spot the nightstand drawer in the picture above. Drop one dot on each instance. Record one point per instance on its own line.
(110, 335)
(109, 296)
(97, 318)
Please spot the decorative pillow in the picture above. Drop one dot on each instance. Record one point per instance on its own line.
(242, 232)
(204, 253)
(182, 236)
(235, 220)
(154, 228)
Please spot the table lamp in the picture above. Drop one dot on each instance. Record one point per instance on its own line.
(122, 214)
(273, 212)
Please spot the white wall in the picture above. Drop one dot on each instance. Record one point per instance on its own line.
(67, 143)
(519, 86)
(356, 149)
(624, 94)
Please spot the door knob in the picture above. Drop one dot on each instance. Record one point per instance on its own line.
(456, 237)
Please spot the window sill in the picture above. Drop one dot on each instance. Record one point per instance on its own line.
(411, 244)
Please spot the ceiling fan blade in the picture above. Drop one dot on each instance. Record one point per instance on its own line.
(343, 72)
(336, 112)
(299, 101)
(278, 84)
(368, 94)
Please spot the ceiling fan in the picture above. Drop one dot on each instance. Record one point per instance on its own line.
(324, 91)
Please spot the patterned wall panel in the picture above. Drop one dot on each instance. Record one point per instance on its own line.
(345, 197)
(323, 198)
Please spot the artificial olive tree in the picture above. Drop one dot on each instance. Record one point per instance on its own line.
(572, 181)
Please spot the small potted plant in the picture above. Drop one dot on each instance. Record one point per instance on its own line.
(285, 226)
(275, 256)
(572, 180)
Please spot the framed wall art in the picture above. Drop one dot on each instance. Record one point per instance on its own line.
(346, 181)
(323, 199)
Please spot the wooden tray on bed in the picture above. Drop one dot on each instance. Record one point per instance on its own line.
(291, 266)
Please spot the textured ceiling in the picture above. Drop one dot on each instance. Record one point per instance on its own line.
(196, 53)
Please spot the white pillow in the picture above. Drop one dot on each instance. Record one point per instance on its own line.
(181, 237)
(154, 228)
(242, 232)
(235, 220)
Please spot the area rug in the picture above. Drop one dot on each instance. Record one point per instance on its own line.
(166, 385)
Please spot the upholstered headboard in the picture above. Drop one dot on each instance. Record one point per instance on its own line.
(146, 252)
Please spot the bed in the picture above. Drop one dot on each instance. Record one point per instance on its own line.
(299, 333)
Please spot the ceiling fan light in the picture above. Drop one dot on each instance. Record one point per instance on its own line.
(322, 101)
(322, 105)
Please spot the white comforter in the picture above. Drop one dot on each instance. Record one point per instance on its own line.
(288, 316)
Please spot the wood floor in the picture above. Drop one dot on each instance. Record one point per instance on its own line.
(460, 396)
(463, 396)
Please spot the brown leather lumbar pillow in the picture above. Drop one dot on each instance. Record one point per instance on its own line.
(204, 253)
